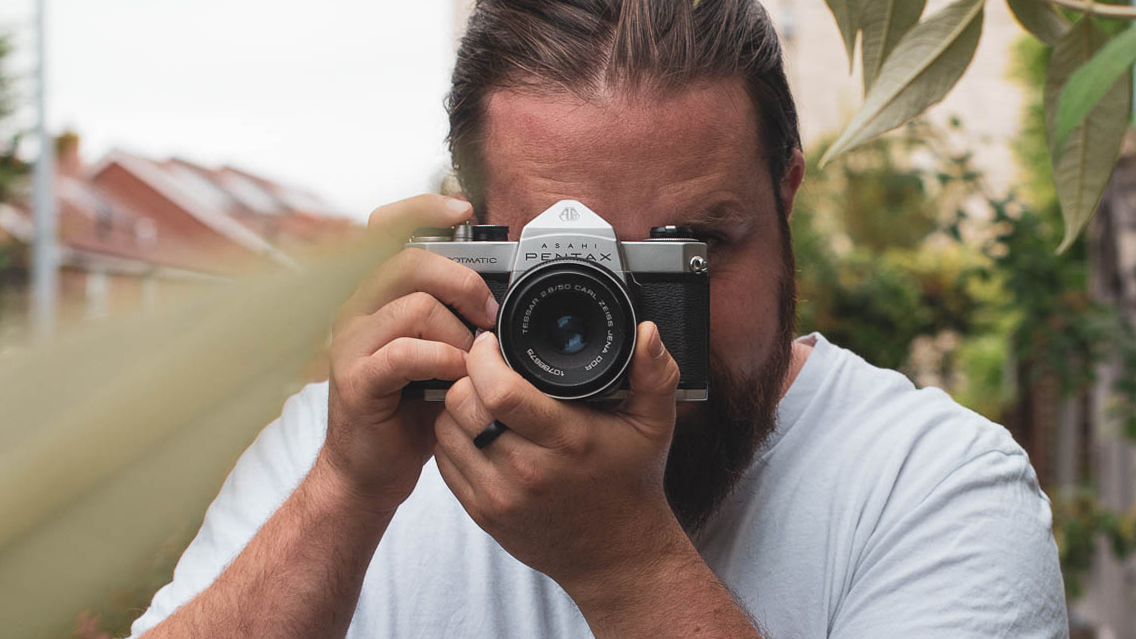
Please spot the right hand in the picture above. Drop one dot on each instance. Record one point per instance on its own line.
(395, 329)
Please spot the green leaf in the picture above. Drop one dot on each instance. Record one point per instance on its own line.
(847, 14)
(1083, 164)
(926, 63)
(1041, 19)
(1092, 82)
(883, 23)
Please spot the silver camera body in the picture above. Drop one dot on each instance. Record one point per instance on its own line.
(572, 295)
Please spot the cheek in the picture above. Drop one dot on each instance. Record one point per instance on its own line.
(744, 313)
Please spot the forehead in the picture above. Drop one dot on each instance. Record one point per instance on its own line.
(638, 161)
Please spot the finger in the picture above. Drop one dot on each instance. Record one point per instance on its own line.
(406, 360)
(418, 315)
(398, 220)
(463, 404)
(465, 407)
(415, 270)
(457, 446)
(451, 474)
(509, 398)
(654, 378)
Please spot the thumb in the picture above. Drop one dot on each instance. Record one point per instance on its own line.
(654, 378)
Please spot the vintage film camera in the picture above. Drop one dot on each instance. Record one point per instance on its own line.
(572, 296)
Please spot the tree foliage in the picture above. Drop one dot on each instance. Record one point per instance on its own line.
(900, 243)
(910, 65)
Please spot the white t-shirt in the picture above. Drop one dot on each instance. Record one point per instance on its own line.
(875, 510)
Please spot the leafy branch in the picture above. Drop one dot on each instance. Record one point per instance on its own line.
(911, 63)
(1095, 8)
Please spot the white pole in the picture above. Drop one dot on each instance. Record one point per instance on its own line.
(45, 261)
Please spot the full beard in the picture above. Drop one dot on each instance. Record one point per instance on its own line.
(714, 441)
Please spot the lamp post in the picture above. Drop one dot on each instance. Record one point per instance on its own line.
(45, 253)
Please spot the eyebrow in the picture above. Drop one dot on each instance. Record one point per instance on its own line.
(722, 213)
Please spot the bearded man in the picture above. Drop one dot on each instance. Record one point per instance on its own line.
(812, 495)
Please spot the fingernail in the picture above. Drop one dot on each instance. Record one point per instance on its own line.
(457, 206)
(655, 346)
(482, 337)
(491, 307)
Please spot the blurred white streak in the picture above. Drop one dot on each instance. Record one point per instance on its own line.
(45, 271)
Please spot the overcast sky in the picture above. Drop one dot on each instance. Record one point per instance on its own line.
(340, 96)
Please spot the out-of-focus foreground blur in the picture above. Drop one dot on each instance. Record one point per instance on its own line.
(214, 162)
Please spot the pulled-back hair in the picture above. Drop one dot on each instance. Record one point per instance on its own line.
(587, 47)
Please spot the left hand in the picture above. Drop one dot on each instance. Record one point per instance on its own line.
(569, 490)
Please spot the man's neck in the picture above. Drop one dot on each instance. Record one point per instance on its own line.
(799, 355)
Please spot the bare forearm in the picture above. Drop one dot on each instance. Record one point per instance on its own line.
(676, 597)
(299, 576)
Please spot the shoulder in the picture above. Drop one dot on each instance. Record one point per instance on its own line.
(879, 426)
(268, 470)
(299, 432)
(284, 451)
(940, 502)
(895, 461)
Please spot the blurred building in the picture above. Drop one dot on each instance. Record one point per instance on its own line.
(130, 227)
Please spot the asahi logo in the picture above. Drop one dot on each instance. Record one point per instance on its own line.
(569, 214)
(554, 250)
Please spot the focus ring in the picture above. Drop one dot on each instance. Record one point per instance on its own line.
(543, 312)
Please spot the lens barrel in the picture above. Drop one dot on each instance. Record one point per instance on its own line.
(568, 326)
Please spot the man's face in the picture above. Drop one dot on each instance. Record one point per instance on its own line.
(691, 159)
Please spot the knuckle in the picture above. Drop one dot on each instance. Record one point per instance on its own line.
(503, 398)
(394, 212)
(470, 280)
(397, 353)
(419, 305)
(447, 433)
(403, 264)
(424, 201)
(410, 257)
(526, 472)
(458, 395)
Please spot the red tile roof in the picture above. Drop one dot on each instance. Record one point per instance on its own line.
(179, 214)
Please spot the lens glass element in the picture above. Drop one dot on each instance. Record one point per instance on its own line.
(568, 334)
(568, 327)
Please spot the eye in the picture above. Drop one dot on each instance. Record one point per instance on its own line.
(713, 239)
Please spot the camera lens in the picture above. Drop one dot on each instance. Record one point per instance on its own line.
(568, 334)
(568, 327)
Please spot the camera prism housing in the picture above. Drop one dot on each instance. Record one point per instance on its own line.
(572, 296)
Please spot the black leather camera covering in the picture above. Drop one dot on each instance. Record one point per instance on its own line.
(679, 304)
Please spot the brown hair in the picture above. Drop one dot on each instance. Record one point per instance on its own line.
(582, 47)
